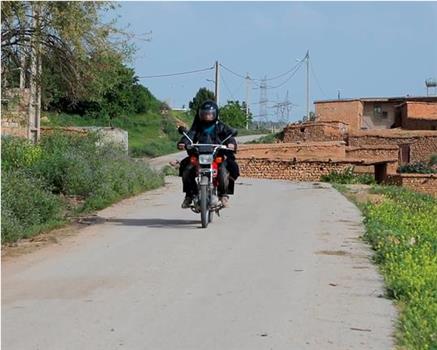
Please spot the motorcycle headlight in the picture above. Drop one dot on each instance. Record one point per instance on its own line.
(205, 158)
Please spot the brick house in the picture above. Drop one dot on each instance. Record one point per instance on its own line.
(412, 113)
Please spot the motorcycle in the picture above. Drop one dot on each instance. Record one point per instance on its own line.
(206, 159)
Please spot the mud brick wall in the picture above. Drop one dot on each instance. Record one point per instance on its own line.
(288, 170)
(425, 183)
(288, 151)
(369, 152)
(317, 131)
(422, 144)
(348, 112)
(419, 115)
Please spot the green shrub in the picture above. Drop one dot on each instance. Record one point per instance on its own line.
(153, 149)
(403, 231)
(168, 170)
(18, 153)
(348, 176)
(27, 206)
(71, 165)
(418, 168)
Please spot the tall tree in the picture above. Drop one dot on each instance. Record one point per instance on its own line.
(234, 114)
(67, 34)
(201, 96)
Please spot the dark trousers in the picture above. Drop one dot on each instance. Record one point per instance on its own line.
(228, 172)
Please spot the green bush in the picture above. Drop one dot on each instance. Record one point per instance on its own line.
(403, 231)
(418, 168)
(153, 149)
(27, 206)
(348, 176)
(18, 153)
(68, 165)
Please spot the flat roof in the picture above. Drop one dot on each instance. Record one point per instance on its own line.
(383, 99)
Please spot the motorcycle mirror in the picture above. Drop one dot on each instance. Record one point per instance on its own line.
(182, 129)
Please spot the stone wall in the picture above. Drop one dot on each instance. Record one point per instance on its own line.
(425, 183)
(14, 113)
(110, 135)
(315, 131)
(288, 151)
(349, 112)
(422, 144)
(307, 170)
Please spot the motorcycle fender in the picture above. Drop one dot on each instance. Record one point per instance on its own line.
(204, 180)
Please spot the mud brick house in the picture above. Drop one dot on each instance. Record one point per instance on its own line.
(374, 135)
(411, 113)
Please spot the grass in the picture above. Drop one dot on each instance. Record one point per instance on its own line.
(44, 185)
(402, 229)
(150, 134)
(348, 176)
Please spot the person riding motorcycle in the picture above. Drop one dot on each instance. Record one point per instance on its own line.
(207, 128)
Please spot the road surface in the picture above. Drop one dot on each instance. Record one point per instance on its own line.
(159, 162)
(283, 268)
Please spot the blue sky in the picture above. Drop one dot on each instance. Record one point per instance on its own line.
(363, 49)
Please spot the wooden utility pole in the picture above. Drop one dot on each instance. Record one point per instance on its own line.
(308, 83)
(217, 86)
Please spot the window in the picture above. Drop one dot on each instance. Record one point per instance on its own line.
(377, 111)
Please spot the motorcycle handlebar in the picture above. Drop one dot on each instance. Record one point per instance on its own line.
(188, 147)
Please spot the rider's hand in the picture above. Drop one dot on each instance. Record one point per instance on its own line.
(181, 146)
(231, 146)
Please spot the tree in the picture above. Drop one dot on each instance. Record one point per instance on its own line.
(201, 96)
(234, 114)
(65, 35)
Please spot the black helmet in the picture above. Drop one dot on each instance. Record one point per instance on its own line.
(208, 112)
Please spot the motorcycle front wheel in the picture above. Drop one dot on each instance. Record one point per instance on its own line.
(204, 207)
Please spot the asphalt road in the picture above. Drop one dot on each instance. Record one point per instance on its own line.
(283, 268)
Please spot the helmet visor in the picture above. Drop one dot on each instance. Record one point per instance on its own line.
(207, 115)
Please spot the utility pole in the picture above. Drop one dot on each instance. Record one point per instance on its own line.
(247, 99)
(307, 57)
(217, 77)
(34, 108)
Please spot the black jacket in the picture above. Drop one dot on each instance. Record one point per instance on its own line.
(212, 133)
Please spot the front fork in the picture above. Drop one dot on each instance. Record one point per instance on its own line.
(209, 178)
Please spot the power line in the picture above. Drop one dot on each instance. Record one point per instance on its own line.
(317, 80)
(231, 95)
(269, 79)
(296, 69)
(174, 74)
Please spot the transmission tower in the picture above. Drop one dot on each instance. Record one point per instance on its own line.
(283, 110)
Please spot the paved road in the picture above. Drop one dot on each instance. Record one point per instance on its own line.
(284, 268)
(159, 162)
